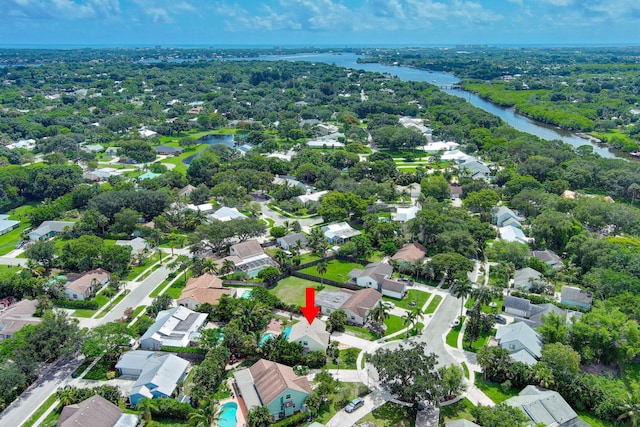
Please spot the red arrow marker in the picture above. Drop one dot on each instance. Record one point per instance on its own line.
(310, 311)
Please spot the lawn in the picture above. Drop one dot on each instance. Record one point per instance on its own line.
(394, 324)
(390, 415)
(417, 329)
(419, 297)
(593, 421)
(176, 289)
(344, 392)
(337, 270)
(481, 341)
(465, 369)
(452, 336)
(494, 391)
(8, 241)
(348, 359)
(363, 333)
(292, 290)
(458, 410)
(41, 410)
(435, 302)
(137, 270)
(308, 257)
(111, 305)
(99, 370)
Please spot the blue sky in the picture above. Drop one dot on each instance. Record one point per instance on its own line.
(318, 22)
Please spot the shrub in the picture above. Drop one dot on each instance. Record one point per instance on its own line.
(171, 409)
(75, 304)
(292, 421)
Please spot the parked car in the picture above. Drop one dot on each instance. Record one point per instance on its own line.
(500, 319)
(402, 279)
(354, 404)
(388, 304)
(455, 323)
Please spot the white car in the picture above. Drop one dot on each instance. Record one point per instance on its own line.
(388, 304)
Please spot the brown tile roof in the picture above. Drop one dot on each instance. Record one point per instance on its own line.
(95, 411)
(18, 315)
(362, 301)
(84, 282)
(247, 249)
(205, 289)
(271, 379)
(410, 252)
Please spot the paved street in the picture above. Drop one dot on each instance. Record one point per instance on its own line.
(29, 401)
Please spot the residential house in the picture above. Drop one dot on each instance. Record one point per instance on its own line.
(545, 407)
(534, 314)
(292, 240)
(455, 155)
(206, 288)
(512, 233)
(7, 225)
(576, 297)
(311, 199)
(16, 316)
(436, 146)
(195, 110)
(312, 337)
(48, 229)
(356, 304)
(158, 374)
(225, 214)
(176, 327)
(377, 275)
(98, 175)
(96, 411)
(410, 253)
(455, 191)
(405, 214)
(475, 169)
(186, 190)
(522, 341)
(137, 245)
(516, 306)
(525, 278)
(274, 386)
(503, 216)
(250, 257)
(288, 181)
(205, 208)
(92, 148)
(326, 129)
(147, 133)
(325, 143)
(85, 286)
(339, 233)
(460, 423)
(550, 258)
(168, 150)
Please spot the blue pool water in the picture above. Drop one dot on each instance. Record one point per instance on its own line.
(227, 416)
(265, 337)
(246, 294)
(286, 332)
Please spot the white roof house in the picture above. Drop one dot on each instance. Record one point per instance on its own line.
(434, 147)
(147, 133)
(312, 337)
(225, 214)
(455, 155)
(7, 225)
(405, 214)
(49, 229)
(204, 208)
(321, 143)
(510, 233)
(339, 232)
(158, 373)
(137, 245)
(313, 198)
(176, 327)
(545, 407)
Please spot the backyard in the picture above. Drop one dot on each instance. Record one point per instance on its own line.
(391, 415)
(291, 290)
(419, 297)
(337, 270)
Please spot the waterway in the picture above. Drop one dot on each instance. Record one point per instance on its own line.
(519, 122)
(227, 140)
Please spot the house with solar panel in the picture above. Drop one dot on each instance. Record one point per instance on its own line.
(176, 327)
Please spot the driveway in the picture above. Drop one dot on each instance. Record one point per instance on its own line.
(371, 402)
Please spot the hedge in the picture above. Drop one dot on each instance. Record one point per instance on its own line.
(190, 350)
(292, 421)
(76, 304)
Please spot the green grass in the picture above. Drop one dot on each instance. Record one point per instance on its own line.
(345, 391)
(83, 313)
(390, 415)
(292, 290)
(359, 332)
(417, 329)
(593, 421)
(176, 289)
(41, 410)
(458, 410)
(111, 305)
(452, 336)
(481, 341)
(494, 391)
(465, 369)
(433, 304)
(138, 269)
(337, 270)
(344, 359)
(8, 241)
(138, 310)
(308, 257)
(419, 297)
(394, 324)
(154, 293)
(99, 370)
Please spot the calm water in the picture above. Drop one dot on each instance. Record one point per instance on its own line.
(227, 140)
(524, 124)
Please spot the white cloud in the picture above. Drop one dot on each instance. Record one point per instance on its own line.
(60, 9)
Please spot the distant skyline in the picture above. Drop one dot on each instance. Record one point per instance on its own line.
(318, 22)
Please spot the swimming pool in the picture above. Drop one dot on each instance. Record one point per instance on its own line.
(227, 417)
(267, 336)
(286, 332)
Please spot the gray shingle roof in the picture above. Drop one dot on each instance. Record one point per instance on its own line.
(523, 333)
(545, 406)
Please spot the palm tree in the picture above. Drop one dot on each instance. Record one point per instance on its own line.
(34, 268)
(380, 313)
(67, 395)
(483, 295)
(631, 411)
(418, 315)
(208, 265)
(322, 268)
(228, 266)
(183, 263)
(206, 415)
(146, 406)
(462, 290)
(408, 319)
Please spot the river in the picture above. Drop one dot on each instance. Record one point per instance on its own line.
(519, 122)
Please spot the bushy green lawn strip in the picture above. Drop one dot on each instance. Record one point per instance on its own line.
(41, 410)
(452, 336)
(433, 305)
(419, 297)
(494, 391)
